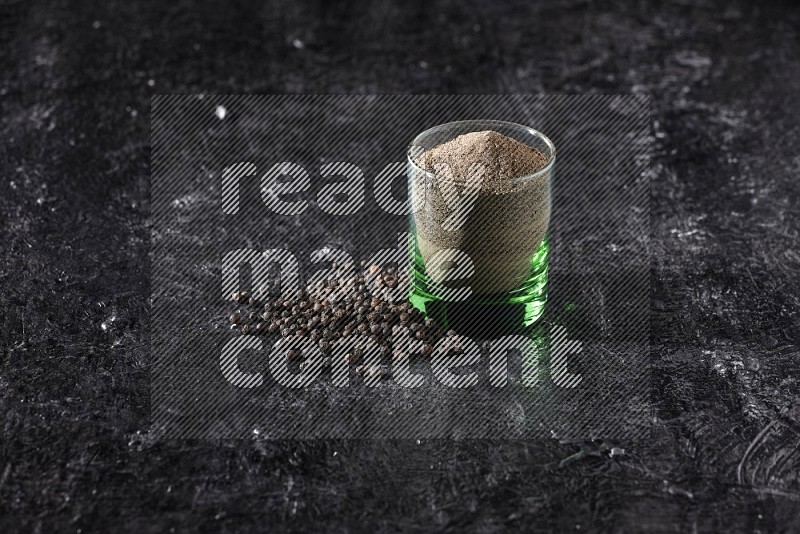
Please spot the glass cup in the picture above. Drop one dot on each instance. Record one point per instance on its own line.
(481, 246)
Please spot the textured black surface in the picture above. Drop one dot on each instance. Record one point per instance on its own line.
(76, 81)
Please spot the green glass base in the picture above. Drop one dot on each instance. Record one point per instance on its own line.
(485, 316)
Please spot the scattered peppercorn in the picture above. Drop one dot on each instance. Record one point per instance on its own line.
(325, 317)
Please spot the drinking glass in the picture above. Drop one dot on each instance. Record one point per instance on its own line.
(480, 252)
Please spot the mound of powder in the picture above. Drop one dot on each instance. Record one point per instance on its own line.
(502, 157)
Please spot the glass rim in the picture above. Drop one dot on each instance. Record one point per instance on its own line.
(533, 132)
